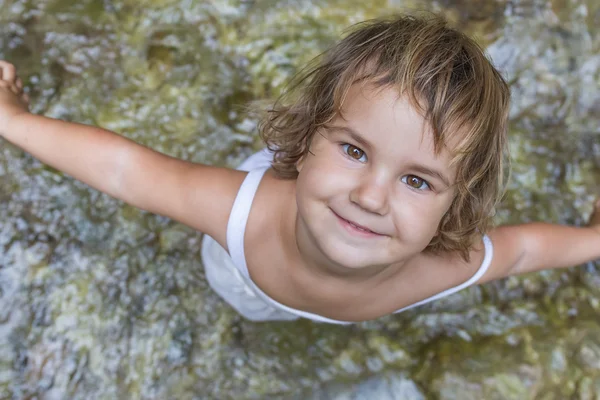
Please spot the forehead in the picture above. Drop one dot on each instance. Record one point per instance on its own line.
(389, 122)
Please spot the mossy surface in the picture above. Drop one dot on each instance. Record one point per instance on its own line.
(99, 300)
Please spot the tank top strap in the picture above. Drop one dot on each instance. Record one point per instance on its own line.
(485, 264)
(236, 226)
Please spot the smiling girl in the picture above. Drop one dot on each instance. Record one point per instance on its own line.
(373, 196)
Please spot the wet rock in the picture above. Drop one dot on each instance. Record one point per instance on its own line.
(589, 389)
(456, 387)
(523, 384)
(386, 387)
(589, 355)
(99, 300)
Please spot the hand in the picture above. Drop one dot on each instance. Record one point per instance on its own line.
(12, 99)
(594, 222)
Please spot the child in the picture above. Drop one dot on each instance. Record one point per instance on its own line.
(374, 195)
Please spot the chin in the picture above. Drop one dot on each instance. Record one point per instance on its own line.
(350, 257)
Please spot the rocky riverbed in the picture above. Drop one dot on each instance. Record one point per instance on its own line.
(99, 300)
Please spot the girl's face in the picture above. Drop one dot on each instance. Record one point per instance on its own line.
(372, 192)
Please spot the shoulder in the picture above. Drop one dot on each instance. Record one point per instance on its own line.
(273, 208)
(508, 248)
(203, 197)
(448, 270)
(430, 276)
(269, 231)
(491, 256)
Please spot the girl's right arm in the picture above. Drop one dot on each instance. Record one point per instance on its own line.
(197, 195)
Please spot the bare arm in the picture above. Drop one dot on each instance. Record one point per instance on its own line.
(197, 195)
(520, 249)
(100, 158)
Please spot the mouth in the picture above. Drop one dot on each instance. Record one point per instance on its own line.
(355, 228)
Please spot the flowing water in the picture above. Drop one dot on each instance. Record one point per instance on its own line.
(99, 300)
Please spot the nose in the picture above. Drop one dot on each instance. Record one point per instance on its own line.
(371, 196)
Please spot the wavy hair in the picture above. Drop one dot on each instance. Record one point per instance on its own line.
(446, 77)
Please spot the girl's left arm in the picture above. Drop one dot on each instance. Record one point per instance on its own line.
(519, 249)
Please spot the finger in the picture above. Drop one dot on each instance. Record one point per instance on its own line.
(15, 89)
(8, 71)
(25, 98)
(19, 83)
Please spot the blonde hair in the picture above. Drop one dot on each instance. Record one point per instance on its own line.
(446, 77)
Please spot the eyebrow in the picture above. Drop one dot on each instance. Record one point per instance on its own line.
(416, 167)
(353, 134)
(431, 172)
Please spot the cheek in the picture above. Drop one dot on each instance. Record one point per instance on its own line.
(318, 176)
(305, 181)
(418, 218)
(308, 187)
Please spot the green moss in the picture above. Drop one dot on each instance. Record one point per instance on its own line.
(118, 306)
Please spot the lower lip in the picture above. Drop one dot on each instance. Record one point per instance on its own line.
(355, 230)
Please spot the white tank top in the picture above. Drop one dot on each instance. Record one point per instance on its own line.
(257, 164)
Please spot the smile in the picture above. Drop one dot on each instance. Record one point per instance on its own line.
(356, 229)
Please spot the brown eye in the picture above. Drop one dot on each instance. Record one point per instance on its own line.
(353, 151)
(415, 182)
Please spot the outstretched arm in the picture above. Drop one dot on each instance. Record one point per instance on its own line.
(102, 159)
(197, 195)
(519, 249)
